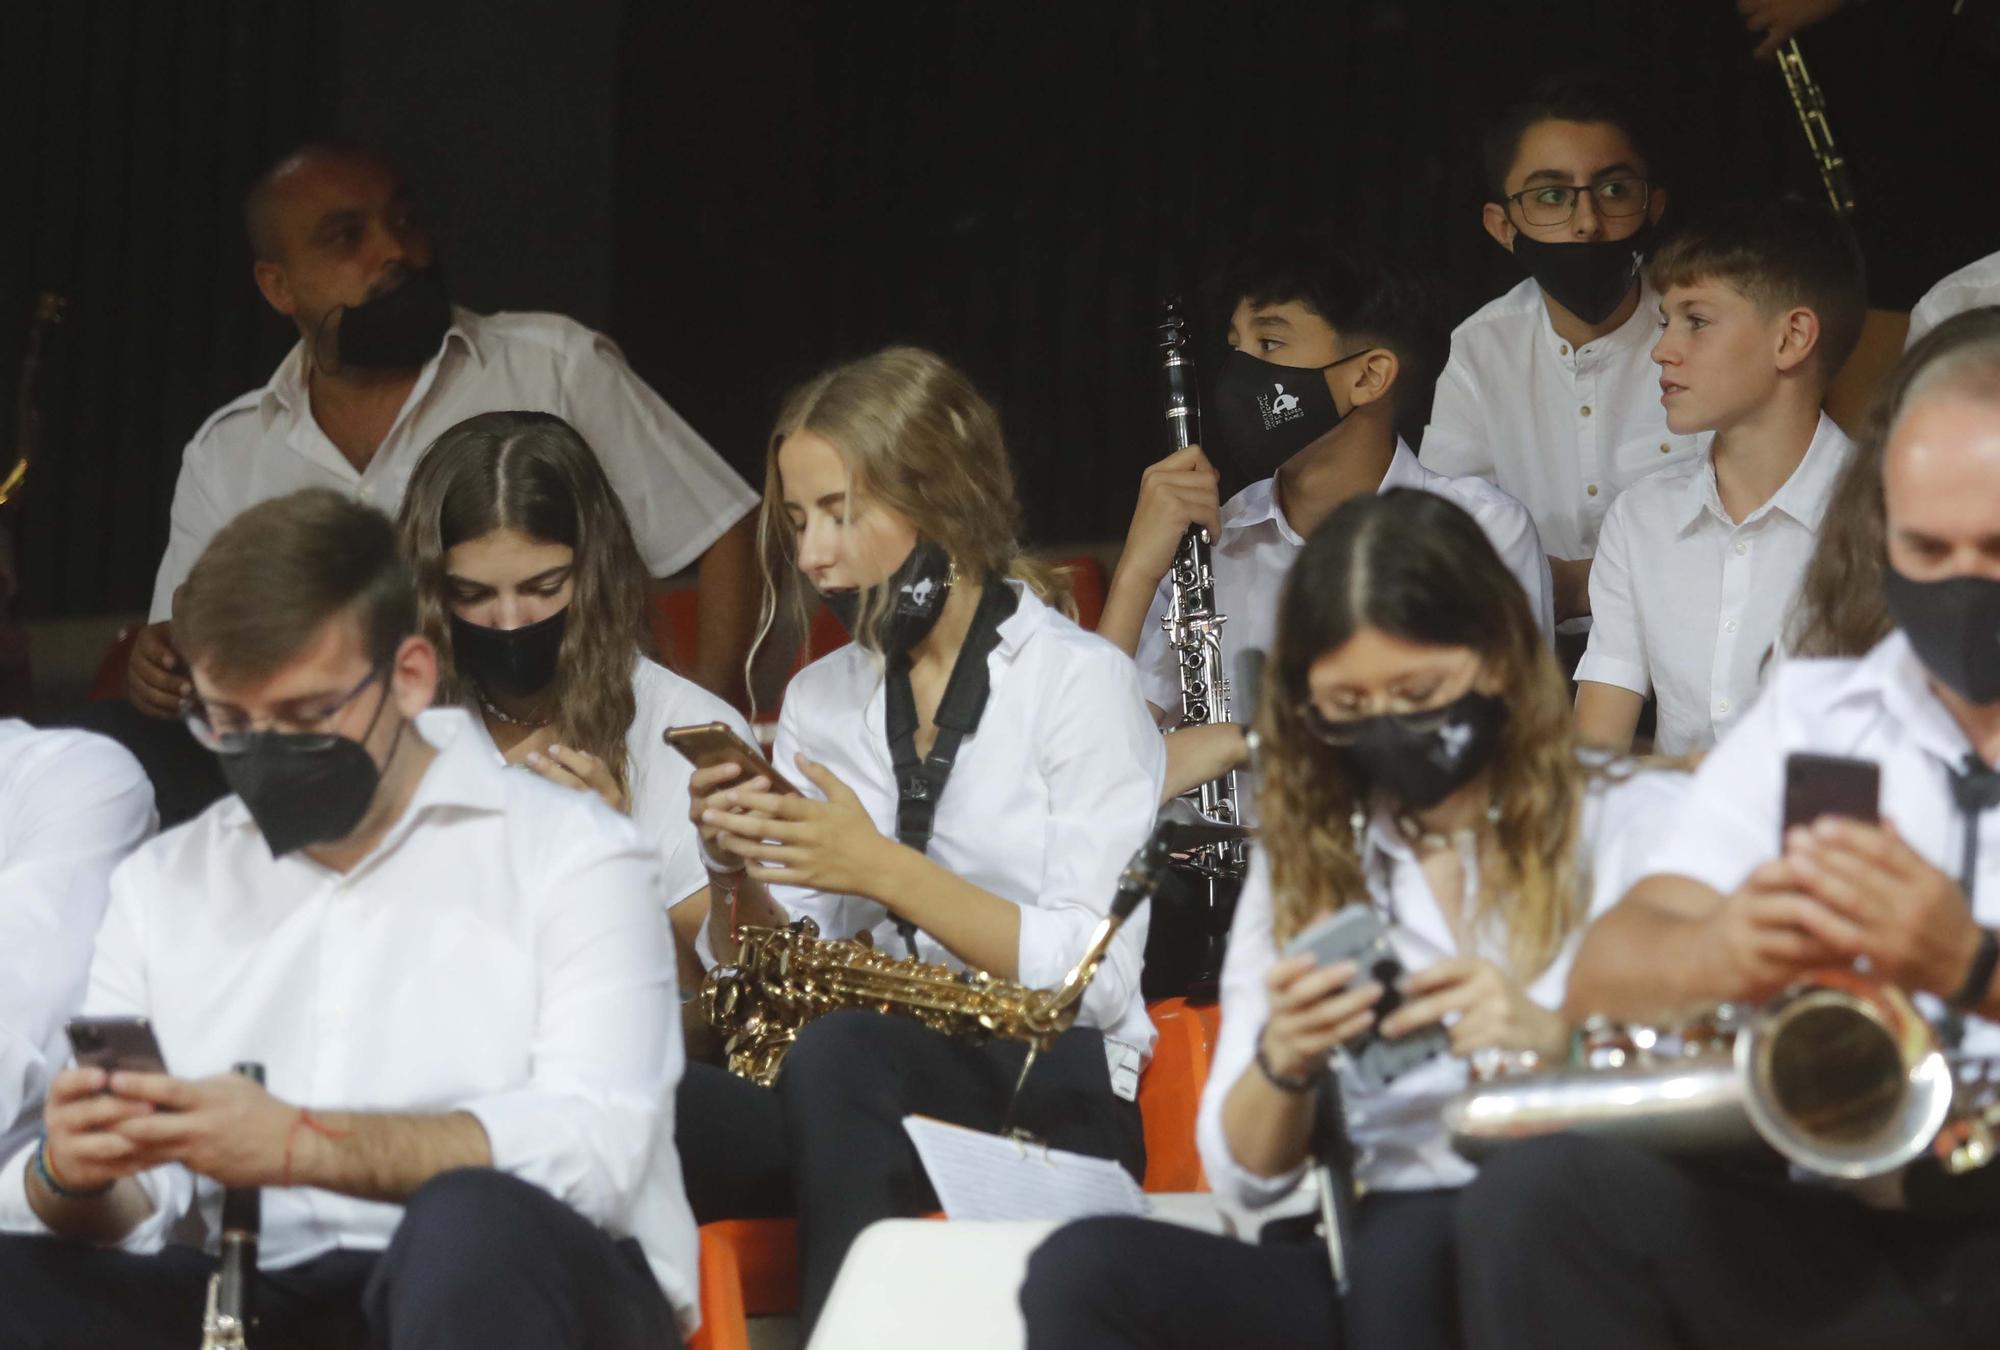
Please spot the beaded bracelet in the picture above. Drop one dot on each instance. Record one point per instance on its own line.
(48, 1176)
(1276, 1079)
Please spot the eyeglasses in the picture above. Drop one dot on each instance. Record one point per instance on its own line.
(1555, 203)
(227, 732)
(1342, 732)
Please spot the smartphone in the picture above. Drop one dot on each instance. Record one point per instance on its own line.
(1831, 785)
(1356, 933)
(116, 1043)
(715, 743)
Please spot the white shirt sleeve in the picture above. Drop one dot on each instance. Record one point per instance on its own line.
(1251, 953)
(1731, 819)
(607, 1042)
(1105, 765)
(1456, 443)
(1512, 531)
(1159, 671)
(678, 492)
(192, 522)
(1617, 651)
(73, 817)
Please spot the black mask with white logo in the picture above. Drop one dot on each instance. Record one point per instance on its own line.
(913, 600)
(1265, 413)
(510, 662)
(1419, 759)
(1590, 278)
(304, 789)
(1954, 627)
(399, 329)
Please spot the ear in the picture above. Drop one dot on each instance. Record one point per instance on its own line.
(1656, 204)
(1494, 218)
(413, 677)
(1378, 371)
(275, 287)
(1798, 338)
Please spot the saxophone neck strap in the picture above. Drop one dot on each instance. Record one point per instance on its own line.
(920, 779)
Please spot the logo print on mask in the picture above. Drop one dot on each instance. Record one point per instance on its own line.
(1279, 408)
(1454, 739)
(920, 594)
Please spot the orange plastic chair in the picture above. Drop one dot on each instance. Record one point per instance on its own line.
(674, 617)
(1086, 579)
(1170, 1095)
(749, 1268)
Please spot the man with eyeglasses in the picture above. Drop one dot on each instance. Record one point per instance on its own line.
(456, 977)
(1550, 391)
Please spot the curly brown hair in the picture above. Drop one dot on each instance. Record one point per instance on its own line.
(920, 439)
(1840, 610)
(532, 472)
(1413, 565)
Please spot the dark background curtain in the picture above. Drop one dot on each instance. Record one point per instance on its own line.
(744, 193)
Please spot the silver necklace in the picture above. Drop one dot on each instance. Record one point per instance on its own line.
(509, 719)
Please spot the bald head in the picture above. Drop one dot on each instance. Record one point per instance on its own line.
(1941, 465)
(321, 174)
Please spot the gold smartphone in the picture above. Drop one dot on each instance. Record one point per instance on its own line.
(715, 743)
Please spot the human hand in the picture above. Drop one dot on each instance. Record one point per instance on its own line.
(86, 1151)
(1768, 932)
(1492, 1010)
(1179, 491)
(581, 770)
(156, 678)
(704, 787)
(829, 845)
(1782, 20)
(226, 1128)
(1885, 902)
(1312, 1012)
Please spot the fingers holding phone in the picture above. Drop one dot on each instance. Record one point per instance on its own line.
(1314, 1009)
(81, 1119)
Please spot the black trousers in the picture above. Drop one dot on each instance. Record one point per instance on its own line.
(827, 1144)
(1133, 1284)
(481, 1259)
(1581, 1242)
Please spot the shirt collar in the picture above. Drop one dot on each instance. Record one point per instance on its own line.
(286, 391)
(1404, 471)
(1636, 331)
(1892, 676)
(1258, 503)
(1803, 496)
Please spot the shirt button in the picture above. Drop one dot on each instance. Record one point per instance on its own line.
(1592, 489)
(1729, 627)
(1722, 705)
(1666, 448)
(1742, 549)
(1563, 348)
(1584, 411)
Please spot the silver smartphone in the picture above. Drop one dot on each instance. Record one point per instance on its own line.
(1356, 933)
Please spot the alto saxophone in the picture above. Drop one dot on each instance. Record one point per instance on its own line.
(1840, 1074)
(226, 1318)
(784, 978)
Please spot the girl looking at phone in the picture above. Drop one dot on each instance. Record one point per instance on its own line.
(1417, 758)
(533, 592)
(888, 489)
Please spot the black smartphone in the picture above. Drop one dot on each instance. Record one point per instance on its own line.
(1356, 933)
(714, 743)
(1831, 785)
(116, 1043)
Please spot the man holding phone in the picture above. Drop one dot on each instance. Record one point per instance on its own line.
(1572, 1241)
(457, 977)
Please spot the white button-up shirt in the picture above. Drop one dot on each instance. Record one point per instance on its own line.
(657, 777)
(500, 952)
(1687, 604)
(1878, 707)
(72, 805)
(1970, 287)
(1563, 429)
(678, 493)
(1047, 802)
(1398, 1130)
(1258, 546)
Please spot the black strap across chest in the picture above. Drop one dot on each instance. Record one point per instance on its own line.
(920, 779)
(1975, 790)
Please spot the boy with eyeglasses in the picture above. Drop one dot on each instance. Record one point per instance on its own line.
(1550, 390)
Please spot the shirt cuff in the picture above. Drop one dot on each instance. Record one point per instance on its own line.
(16, 1215)
(535, 1135)
(1601, 669)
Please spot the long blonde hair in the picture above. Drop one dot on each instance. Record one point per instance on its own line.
(532, 472)
(1840, 609)
(1413, 565)
(918, 438)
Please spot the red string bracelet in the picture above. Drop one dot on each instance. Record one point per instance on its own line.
(318, 1127)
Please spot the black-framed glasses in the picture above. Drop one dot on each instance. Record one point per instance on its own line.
(1341, 732)
(229, 733)
(1555, 203)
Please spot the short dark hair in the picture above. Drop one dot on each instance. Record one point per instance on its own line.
(1782, 253)
(1569, 97)
(1361, 291)
(272, 577)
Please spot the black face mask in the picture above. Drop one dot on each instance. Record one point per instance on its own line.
(510, 662)
(914, 598)
(304, 789)
(397, 330)
(1589, 278)
(1954, 627)
(1419, 759)
(1265, 413)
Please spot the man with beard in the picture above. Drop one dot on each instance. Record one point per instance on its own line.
(385, 362)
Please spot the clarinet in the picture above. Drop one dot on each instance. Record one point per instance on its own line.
(227, 1316)
(1194, 631)
(1811, 108)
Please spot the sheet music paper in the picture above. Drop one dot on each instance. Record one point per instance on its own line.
(988, 1177)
